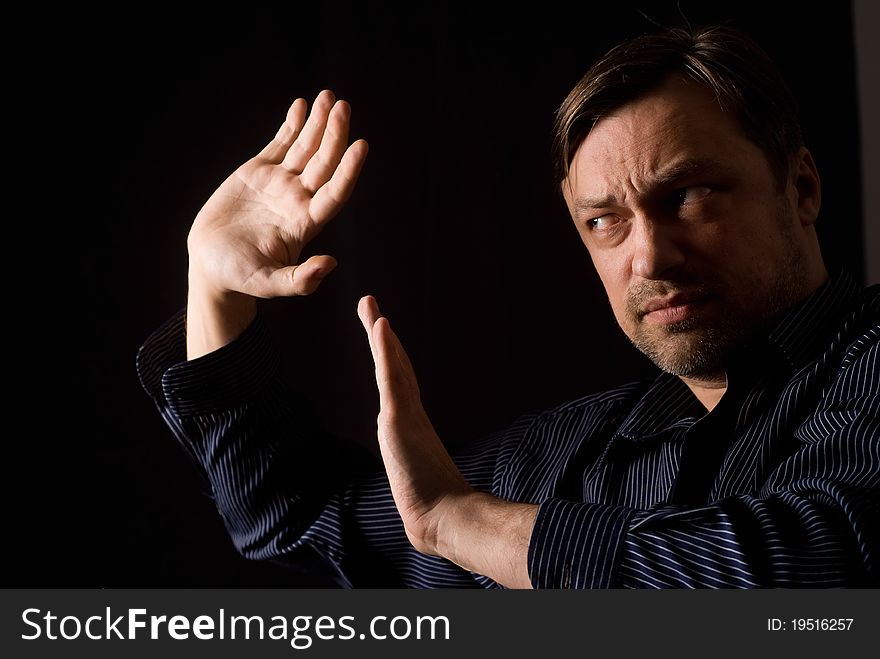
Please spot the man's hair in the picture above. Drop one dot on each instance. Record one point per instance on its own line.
(741, 75)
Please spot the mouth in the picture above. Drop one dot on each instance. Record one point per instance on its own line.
(672, 309)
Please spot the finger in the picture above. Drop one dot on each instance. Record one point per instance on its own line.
(387, 375)
(321, 166)
(395, 377)
(275, 150)
(302, 279)
(368, 312)
(402, 362)
(309, 139)
(335, 192)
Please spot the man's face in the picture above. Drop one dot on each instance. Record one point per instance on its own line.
(696, 243)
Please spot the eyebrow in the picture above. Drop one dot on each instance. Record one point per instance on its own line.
(663, 178)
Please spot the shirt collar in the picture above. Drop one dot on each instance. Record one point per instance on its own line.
(800, 331)
(666, 403)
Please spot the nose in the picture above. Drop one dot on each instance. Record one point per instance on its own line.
(657, 249)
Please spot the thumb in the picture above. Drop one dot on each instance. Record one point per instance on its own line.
(302, 279)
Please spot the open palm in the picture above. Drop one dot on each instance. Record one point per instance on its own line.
(249, 236)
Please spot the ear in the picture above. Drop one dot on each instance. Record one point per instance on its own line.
(804, 183)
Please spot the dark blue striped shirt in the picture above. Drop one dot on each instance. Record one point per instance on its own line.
(638, 486)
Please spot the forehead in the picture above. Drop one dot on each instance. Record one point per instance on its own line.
(634, 145)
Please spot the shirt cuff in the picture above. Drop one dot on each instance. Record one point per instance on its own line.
(163, 349)
(576, 545)
(224, 378)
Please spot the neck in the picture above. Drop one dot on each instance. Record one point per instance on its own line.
(708, 390)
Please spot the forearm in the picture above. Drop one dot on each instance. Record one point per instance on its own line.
(785, 540)
(233, 414)
(489, 536)
(746, 542)
(718, 546)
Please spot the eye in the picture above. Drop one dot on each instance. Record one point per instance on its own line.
(692, 194)
(602, 223)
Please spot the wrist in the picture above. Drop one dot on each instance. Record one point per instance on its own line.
(459, 515)
(487, 535)
(214, 317)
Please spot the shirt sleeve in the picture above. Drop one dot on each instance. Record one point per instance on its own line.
(813, 523)
(280, 484)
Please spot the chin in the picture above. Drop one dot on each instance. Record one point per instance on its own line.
(693, 353)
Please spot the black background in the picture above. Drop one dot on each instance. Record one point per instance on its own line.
(455, 226)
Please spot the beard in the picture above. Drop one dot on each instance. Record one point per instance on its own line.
(726, 316)
(694, 347)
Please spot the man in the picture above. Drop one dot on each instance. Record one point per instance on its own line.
(751, 460)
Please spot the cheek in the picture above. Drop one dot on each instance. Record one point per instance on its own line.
(741, 251)
(611, 264)
(613, 273)
(747, 234)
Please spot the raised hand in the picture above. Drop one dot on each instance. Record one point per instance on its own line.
(424, 480)
(246, 241)
(441, 513)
